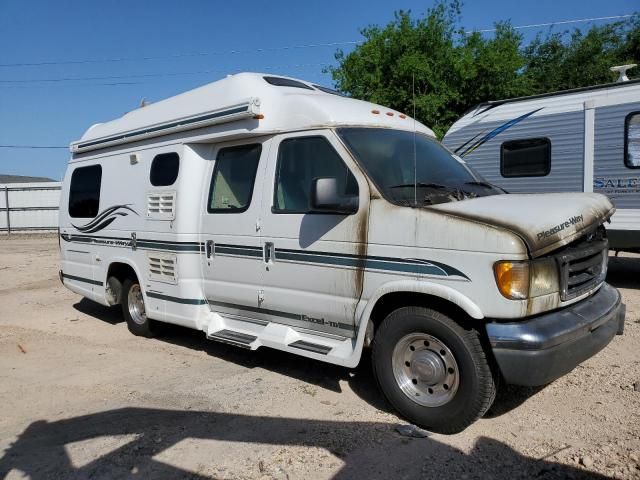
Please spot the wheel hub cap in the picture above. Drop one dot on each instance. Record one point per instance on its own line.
(425, 369)
(135, 302)
(428, 367)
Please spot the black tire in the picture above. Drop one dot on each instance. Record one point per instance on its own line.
(476, 383)
(142, 327)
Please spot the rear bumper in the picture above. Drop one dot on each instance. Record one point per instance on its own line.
(539, 350)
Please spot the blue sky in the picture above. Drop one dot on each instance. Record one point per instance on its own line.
(56, 113)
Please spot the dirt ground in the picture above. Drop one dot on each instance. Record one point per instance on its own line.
(80, 397)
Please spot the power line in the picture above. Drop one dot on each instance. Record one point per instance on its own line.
(180, 55)
(561, 22)
(148, 75)
(280, 48)
(30, 146)
(111, 84)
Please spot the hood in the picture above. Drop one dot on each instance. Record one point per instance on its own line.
(544, 221)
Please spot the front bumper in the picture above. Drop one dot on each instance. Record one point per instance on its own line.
(538, 350)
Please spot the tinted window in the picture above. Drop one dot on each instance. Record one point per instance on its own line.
(164, 169)
(233, 179)
(632, 141)
(286, 82)
(411, 169)
(526, 158)
(84, 192)
(300, 161)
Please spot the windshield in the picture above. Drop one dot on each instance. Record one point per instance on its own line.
(436, 176)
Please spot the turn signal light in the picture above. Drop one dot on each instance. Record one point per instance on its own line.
(512, 279)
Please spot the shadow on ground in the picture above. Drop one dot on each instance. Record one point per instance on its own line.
(366, 449)
(112, 315)
(624, 272)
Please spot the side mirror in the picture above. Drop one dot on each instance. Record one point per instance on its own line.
(325, 198)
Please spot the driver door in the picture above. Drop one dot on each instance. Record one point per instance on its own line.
(314, 265)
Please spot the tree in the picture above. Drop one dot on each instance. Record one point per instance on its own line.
(432, 65)
(583, 59)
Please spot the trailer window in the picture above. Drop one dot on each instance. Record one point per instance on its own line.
(632, 140)
(164, 169)
(233, 178)
(300, 161)
(84, 192)
(529, 157)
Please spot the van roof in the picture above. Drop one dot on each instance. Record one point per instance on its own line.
(245, 103)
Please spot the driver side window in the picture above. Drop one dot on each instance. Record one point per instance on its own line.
(300, 161)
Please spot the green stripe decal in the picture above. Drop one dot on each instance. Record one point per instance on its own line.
(281, 314)
(389, 264)
(184, 301)
(81, 279)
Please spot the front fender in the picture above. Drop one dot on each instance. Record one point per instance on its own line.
(430, 288)
(409, 286)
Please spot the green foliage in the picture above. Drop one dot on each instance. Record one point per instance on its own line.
(450, 70)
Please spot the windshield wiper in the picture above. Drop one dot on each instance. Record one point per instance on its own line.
(423, 185)
(481, 184)
(486, 185)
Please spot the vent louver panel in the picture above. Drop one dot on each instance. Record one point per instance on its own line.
(162, 267)
(161, 206)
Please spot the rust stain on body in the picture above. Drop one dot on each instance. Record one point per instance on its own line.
(361, 249)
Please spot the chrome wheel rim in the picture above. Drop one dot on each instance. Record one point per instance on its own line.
(425, 369)
(135, 302)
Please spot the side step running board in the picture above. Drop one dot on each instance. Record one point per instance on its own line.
(311, 347)
(233, 338)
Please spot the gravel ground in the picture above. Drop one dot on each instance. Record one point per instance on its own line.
(82, 398)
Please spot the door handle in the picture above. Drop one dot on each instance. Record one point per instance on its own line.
(268, 252)
(209, 248)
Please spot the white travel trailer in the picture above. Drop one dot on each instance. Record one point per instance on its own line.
(268, 211)
(581, 140)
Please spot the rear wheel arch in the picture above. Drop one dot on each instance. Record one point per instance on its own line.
(118, 272)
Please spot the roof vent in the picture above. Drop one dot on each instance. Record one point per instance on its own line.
(622, 71)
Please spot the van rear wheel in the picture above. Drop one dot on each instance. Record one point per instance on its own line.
(134, 310)
(431, 370)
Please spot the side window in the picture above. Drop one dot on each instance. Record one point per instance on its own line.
(530, 157)
(164, 169)
(233, 179)
(84, 192)
(300, 161)
(632, 140)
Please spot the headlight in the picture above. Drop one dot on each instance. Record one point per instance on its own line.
(528, 279)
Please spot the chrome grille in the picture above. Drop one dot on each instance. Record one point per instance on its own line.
(582, 267)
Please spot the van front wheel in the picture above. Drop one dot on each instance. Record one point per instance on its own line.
(431, 370)
(134, 310)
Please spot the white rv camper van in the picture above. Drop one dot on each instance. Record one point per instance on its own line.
(268, 212)
(582, 140)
